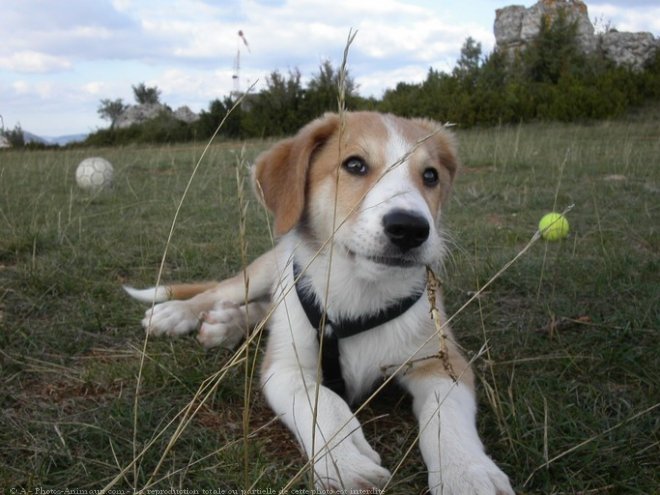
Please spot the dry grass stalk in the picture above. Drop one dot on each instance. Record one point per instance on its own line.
(341, 106)
(432, 289)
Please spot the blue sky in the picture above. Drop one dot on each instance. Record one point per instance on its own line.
(59, 58)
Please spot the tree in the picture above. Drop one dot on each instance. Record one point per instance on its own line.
(111, 110)
(470, 60)
(146, 95)
(276, 109)
(402, 100)
(210, 119)
(323, 91)
(16, 137)
(554, 52)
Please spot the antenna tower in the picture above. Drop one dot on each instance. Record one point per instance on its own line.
(236, 76)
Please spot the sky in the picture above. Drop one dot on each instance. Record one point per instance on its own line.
(59, 58)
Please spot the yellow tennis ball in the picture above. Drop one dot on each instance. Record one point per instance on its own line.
(553, 227)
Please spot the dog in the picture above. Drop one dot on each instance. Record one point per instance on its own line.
(357, 203)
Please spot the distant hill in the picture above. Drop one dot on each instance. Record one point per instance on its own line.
(33, 138)
(59, 140)
(64, 140)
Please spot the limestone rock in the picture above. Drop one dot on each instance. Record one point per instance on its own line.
(630, 49)
(516, 26)
(185, 114)
(139, 114)
(508, 27)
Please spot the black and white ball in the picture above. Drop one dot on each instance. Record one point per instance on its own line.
(94, 174)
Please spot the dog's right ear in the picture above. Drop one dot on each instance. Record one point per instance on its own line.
(280, 174)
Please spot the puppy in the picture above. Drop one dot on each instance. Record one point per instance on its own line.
(357, 203)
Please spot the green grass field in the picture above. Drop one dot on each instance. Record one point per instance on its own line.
(569, 385)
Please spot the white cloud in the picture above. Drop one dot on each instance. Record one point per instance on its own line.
(20, 87)
(200, 85)
(94, 88)
(34, 62)
(626, 19)
(95, 33)
(372, 82)
(121, 5)
(42, 90)
(303, 32)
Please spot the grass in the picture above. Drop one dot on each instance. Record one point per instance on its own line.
(569, 385)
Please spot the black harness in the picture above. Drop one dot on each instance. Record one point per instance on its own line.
(341, 329)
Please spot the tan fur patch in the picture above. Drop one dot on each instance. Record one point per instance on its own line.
(434, 368)
(186, 291)
(437, 151)
(363, 137)
(281, 172)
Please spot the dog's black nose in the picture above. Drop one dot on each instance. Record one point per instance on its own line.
(406, 229)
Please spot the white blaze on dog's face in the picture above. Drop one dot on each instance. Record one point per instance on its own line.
(381, 188)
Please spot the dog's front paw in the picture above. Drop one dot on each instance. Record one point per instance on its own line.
(477, 476)
(225, 325)
(170, 318)
(349, 468)
(348, 461)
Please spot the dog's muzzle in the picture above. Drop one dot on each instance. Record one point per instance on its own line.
(406, 229)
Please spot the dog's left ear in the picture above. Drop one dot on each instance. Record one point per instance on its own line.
(280, 174)
(444, 144)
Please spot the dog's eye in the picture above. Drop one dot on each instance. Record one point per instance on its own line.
(355, 165)
(430, 177)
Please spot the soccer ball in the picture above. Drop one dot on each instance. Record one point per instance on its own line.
(94, 174)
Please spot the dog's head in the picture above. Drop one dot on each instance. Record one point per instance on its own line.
(378, 181)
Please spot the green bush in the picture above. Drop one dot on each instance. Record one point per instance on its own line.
(162, 129)
(551, 80)
(15, 137)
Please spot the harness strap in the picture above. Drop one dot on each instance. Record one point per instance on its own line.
(335, 330)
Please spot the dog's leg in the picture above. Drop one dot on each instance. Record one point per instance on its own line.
(181, 317)
(449, 441)
(329, 433)
(227, 324)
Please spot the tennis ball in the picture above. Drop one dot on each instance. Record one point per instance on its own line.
(553, 227)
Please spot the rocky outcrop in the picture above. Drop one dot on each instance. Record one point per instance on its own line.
(516, 26)
(139, 114)
(630, 49)
(185, 114)
(4, 142)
